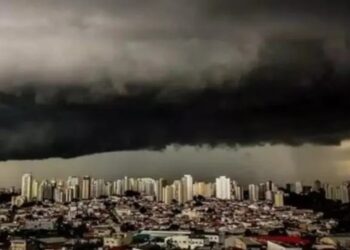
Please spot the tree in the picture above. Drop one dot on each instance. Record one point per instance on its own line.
(143, 210)
(125, 227)
(174, 227)
(131, 193)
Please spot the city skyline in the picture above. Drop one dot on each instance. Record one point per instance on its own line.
(181, 190)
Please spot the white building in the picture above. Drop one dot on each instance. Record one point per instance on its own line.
(178, 191)
(238, 193)
(344, 193)
(86, 188)
(160, 184)
(298, 187)
(168, 194)
(186, 241)
(35, 189)
(269, 195)
(253, 192)
(118, 187)
(187, 183)
(223, 188)
(97, 188)
(72, 181)
(26, 190)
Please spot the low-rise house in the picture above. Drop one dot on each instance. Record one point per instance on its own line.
(215, 238)
(281, 246)
(339, 240)
(117, 240)
(39, 224)
(51, 243)
(101, 231)
(186, 241)
(18, 244)
(243, 243)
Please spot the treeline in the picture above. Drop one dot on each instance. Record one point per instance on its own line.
(318, 202)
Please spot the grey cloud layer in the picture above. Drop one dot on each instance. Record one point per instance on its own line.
(92, 41)
(172, 42)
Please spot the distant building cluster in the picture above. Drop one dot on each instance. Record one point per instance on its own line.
(183, 190)
(144, 213)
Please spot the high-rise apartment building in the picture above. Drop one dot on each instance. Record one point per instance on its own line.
(279, 199)
(26, 190)
(253, 192)
(298, 187)
(168, 194)
(223, 188)
(160, 184)
(187, 183)
(178, 191)
(35, 189)
(86, 188)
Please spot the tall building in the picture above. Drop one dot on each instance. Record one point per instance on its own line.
(263, 188)
(223, 188)
(86, 188)
(72, 181)
(97, 188)
(279, 199)
(69, 193)
(168, 193)
(133, 184)
(41, 191)
(35, 189)
(268, 186)
(45, 191)
(108, 188)
(187, 182)
(298, 187)
(160, 184)
(178, 192)
(253, 192)
(203, 189)
(26, 190)
(269, 195)
(238, 193)
(118, 187)
(330, 191)
(59, 195)
(344, 194)
(126, 185)
(146, 186)
(76, 192)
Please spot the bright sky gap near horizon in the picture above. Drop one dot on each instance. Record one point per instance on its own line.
(282, 164)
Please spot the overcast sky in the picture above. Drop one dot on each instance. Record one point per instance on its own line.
(254, 90)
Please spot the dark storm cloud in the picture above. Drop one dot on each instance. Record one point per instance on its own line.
(173, 42)
(92, 76)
